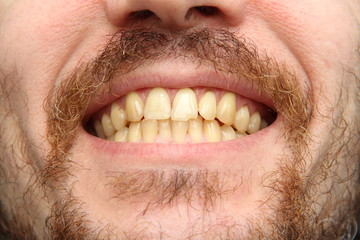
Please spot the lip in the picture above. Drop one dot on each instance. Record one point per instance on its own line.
(201, 155)
(121, 85)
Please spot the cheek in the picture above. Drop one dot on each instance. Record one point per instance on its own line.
(37, 39)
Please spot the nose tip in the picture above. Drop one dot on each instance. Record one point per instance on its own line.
(172, 14)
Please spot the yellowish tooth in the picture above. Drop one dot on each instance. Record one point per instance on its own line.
(254, 123)
(118, 116)
(227, 133)
(184, 105)
(212, 131)
(149, 129)
(196, 129)
(263, 124)
(108, 128)
(134, 107)
(122, 135)
(207, 106)
(226, 108)
(134, 133)
(157, 104)
(240, 135)
(242, 119)
(179, 130)
(165, 130)
(111, 138)
(99, 129)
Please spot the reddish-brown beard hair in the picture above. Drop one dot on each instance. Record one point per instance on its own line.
(227, 54)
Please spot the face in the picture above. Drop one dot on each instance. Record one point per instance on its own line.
(179, 120)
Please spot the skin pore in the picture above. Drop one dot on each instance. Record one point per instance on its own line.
(296, 179)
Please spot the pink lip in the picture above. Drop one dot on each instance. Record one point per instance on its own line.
(122, 85)
(197, 155)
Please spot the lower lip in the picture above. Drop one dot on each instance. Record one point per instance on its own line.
(197, 155)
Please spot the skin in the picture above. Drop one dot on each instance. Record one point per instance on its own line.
(41, 42)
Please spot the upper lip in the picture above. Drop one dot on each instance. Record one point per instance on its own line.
(121, 85)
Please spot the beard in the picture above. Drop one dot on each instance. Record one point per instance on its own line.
(317, 202)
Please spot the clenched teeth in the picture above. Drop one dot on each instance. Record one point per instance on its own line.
(210, 117)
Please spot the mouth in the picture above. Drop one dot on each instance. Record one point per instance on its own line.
(181, 110)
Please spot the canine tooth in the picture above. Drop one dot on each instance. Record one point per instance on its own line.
(196, 129)
(118, 116)
(99, 129)
(226, 108)
(107, 125)
(263, 124)
(184, 105)
(212, 131)
(122, 135)
(207, 106)
(242, 118)
(134, 107)
(227, 133)
(134, 133)
(157, 104)
(164, 129)
(254, 123)
(149, 129)
(179, 130)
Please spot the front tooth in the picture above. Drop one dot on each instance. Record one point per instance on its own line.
(184, 105)
(99, 129)
(118, 116)
(212, 131)
(207, 106)
(164, 130)
(254, 123)
(227, 133)
(226, 108)
(179, 130)
(134, 133)
(134, 107)
(196, 129)
(107, 125)
(157, 104)
(149, 129)
(122, 135)
(242, 118)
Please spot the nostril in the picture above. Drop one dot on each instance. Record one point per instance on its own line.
(207, 10)
(141, 15)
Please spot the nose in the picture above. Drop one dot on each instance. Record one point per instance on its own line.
(174, 14)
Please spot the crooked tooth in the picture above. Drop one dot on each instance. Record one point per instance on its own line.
(179, 130)
(207, 106)
(118, 116)
(242, 119)
(196, 129)
(226, 108)
(111, 138)
(134, 107)
(165, 130)
(99, 129)
(121, 135)
(134, 133)
(184, 105)
(149, 129)
(107, 126)
(239, 134)
(254, 123)
(157, 104)
(227, 133)
(212, 131)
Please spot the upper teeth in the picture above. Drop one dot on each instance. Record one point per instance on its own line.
(159, 120)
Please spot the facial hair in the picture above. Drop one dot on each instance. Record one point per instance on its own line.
(230, 55)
